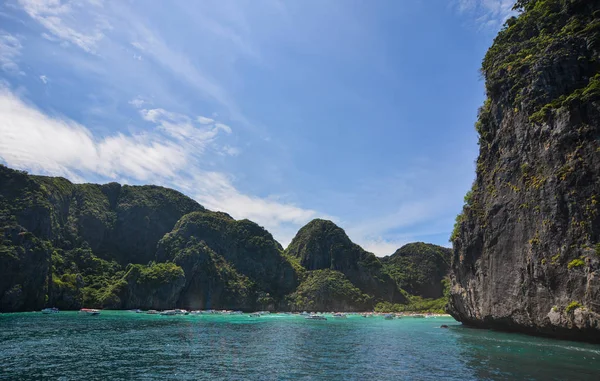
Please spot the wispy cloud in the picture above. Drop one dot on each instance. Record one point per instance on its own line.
(486, 13)
(10, 51)
(182, 66)
(171, 154)
(57, 18)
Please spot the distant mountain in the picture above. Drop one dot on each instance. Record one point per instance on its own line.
(118, 246)
(321, 244)
(420, 268)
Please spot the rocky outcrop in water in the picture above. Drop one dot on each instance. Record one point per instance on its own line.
(527, 245)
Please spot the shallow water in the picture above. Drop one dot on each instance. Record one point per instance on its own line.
(125, 345)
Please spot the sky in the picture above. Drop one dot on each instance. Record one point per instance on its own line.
(361, 112)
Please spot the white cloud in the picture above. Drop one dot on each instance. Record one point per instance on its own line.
(137, 102)
(56, 16)
(10, 51)
(44, 79)
(229, 150)
(31, 139)
(487, 13)
(205, 120)
(169, 155)
(182, 128)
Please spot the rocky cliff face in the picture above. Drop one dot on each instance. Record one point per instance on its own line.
(323, 245)
(111, 246)
(75, 245)
(526, 247)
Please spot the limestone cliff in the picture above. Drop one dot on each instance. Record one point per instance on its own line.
(526, 246)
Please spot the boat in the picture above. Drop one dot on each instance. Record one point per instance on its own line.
(255, 314)
(315, 317)
(52, 310)
(89, 311)
(339, 315)
(170, 312)
(388, 317)
(152, 312)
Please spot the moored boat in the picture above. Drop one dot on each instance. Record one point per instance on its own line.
(315, 317)
(52, 310)
(339, 315)
(254, 314)
(89, 311)
(152, 312)
(388, 317)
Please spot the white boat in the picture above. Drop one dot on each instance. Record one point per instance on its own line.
(170, 312)
(89, 311)
(52, 310)
(388, 317)
(315, 317)
(339, 315)
(255, 314)
(152, 312)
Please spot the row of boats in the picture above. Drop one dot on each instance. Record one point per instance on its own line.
(85, 311)
(308, 316)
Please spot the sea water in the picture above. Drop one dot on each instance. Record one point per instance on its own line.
(125, 345)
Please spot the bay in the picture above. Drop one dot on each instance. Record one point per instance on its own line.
(124, 345)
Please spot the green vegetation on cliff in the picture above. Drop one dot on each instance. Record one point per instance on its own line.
(321, 244)
(548, 34)
(325, 290)
(112, 246)
(419, 268)
(525, 239)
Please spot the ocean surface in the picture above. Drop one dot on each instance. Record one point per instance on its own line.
(125, 345)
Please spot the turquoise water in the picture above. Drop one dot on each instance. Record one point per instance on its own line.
(125, 345)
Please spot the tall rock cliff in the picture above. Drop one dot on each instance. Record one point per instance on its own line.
(321, 244)
(527, 244)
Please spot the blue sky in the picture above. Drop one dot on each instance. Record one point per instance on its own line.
(277, 111)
